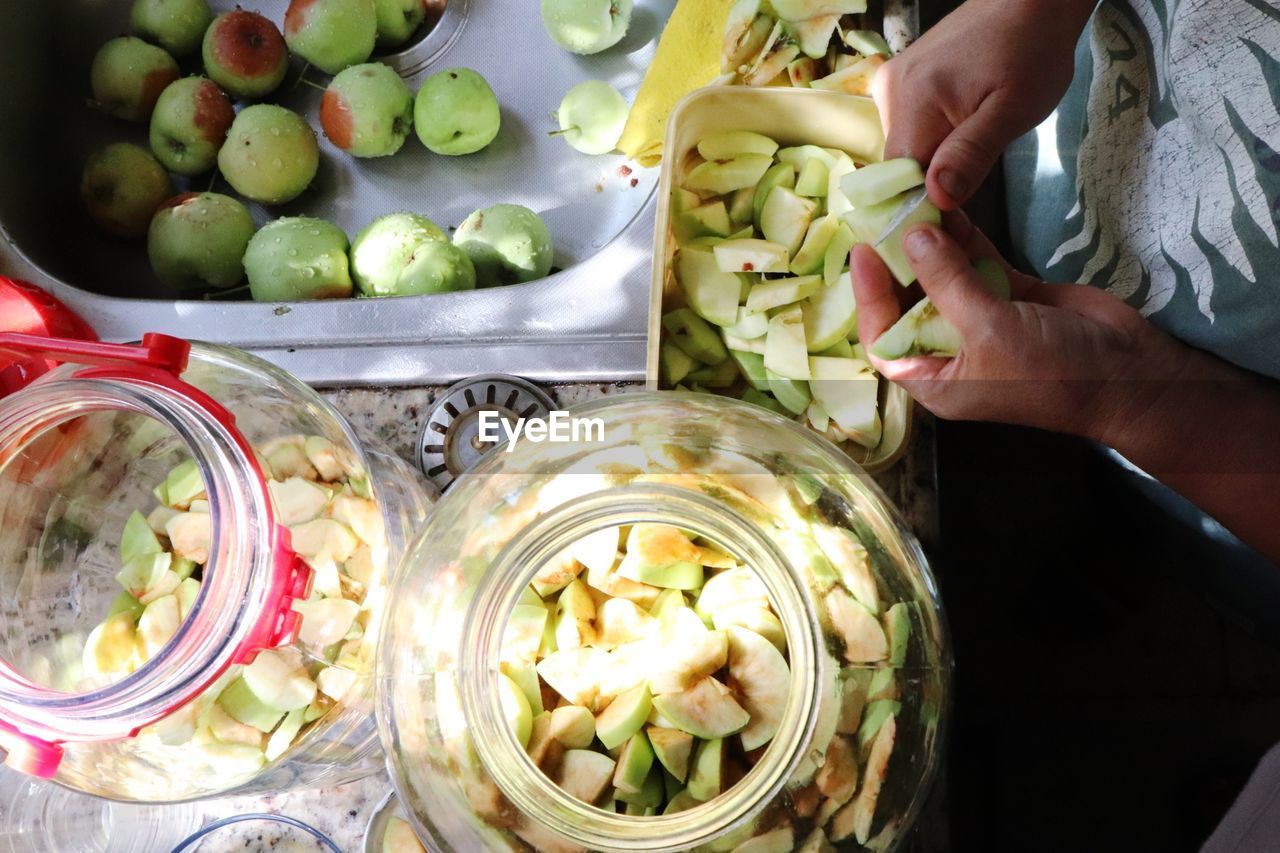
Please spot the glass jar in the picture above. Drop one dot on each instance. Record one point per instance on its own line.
(750, 484)
(194, 549)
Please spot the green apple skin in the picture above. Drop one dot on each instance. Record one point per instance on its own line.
(586, 26)
(508, 244)
(404, 254)
(367, 111)
(122, 188)
(199, 240)
(298, 258)
(270, 155)
(176, 25)
(128, 76)
(457, 113)
(331, 34)
(245, 54)
(398, 20)
(190, 124)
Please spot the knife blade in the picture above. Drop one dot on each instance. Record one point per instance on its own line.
(910, 204)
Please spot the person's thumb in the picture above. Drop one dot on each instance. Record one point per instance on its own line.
(966, 156)
(950, 281)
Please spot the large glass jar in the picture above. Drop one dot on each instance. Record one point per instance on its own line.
(194, 550)
(743, 482)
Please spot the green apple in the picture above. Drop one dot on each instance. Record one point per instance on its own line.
(190, 124)
(751, 255)
(876, 182)
(634, 763)
(586, 26)
(331, 34)
(298, 258)
(403, 254)
(399, 838)
(515, 707)
(367, 111)
(625, 716)
(128, 76)
(271, 155)
(245, 54)
(508, 244)
(199, 240)
(706, 710)
(585, 774)
(727, 174)
(592, 116)
(760, 676)
(176, 25)
(672, 748)
(122, 187)
(573, 726)
(456, 112)
(706, 772)
(398, 20)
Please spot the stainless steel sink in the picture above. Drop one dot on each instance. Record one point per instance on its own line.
(584, 322)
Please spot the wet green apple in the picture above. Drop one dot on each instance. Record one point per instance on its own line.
(176, 25)
(128, 76)
(270, 155)
(189, 125)
(199, 239)
(508, 244)
(245, 54)
(331, 34)
(367, 111)
(298, 258)
(122, 187)
(586, 26)
(398, 20)
(456, 112)
(404, 254)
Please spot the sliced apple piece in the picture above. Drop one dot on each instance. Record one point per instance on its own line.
(848, 389)
(767, 295)
(876, 182)
(693, 335)
(781, 840)
(837, 778)
(752, 256)
(706, 710)
(779, 175)
(815, 34)
(732, 143)
(864, 639)
(878, 712)
(279, 680)
(706, 770)
(853, 80)
(759, 674)
(522, 636)
(792, 394)
(138, 539)
(830, 314)
(739, 586)
(897, 622)
(883, 685)
(771, 64)
(682, 200)
(726, 174)
(803, 10)
(707, 220)
(515, 707)
(584, 774)
(620, 621)
(868, 43)
(109, 648)
(574, 673)
(854, 682)
(869, 224)
(325, 621)
(399, 838)
(672, 748)
(634, 763)
(802, 72)
(861, 811)
(751, 366)
(575, 617)
(573, 726)
(244, 707)
(851, 560)
(836, 259)
(810, 258)
(542, 745)
(785, 350)
(683, 801)
(156, 627)
(786, 217)
(759, 620)
(297, 500)
(690, 653)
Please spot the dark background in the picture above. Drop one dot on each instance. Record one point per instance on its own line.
(1103, 702)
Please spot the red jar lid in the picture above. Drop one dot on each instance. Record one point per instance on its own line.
(27, 309)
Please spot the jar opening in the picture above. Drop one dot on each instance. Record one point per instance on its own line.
(120, 506)
(533, 792)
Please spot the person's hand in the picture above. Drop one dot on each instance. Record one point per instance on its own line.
(988, 73)
(1065, 357)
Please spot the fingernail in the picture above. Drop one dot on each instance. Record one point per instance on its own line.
(919, 241)
(954, 183)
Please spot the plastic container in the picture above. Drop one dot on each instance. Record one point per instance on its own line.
(744, 479)
(791, 117)
(194, 549)
(269, 832)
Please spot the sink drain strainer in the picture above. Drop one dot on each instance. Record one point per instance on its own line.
(450, 442)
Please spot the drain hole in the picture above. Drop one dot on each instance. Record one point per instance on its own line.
(491, 394)
(533, 407)
(470, 398)
(511, 400)
(438, 470)
(438, 427)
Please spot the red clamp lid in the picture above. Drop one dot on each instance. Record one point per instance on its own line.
(159, 359)
(27, 309)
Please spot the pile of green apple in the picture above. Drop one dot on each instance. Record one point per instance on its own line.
(269, 154)
(645, 671)
(254, 713)
(819, 44)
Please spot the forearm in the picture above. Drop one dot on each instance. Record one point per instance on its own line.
(1211, 434)
(1071, 15)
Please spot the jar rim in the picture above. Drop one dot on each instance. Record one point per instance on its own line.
(206, 640)
(530, 790)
